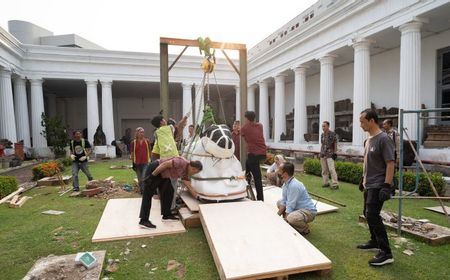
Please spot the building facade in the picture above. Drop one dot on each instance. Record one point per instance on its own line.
(333, 60)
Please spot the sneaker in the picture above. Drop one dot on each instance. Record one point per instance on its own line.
(369, 246)
(381, 259)
(325, 185)
(170, 218)
(76, 190)
(146, 224)
(335, 187)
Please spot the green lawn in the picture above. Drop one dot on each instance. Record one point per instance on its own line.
(26, 235)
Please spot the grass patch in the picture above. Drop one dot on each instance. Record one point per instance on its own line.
(26, 235)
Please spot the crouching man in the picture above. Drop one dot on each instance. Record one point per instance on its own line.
(157, 176)
(295, 205)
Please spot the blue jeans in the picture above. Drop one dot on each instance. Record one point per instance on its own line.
(76, 166)
(140, 172)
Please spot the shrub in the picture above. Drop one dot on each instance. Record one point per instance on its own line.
(67, 161)
(8, 184)
(352, 172)
(47, 169)
(424, 189)
(312, 166)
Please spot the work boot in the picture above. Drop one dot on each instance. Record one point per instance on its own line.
(146, 224)
(381, 259)
(369, 246)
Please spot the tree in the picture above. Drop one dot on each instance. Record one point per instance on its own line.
(55, 131)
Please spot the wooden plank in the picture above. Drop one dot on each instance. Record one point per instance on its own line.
(439, 209)
(273, 194)
(109, 178)
(249, 241)
(120, 220)
(190, 202)
(9, 196)
(194, 43)
(14, 199)
(188, 218)
(19, 203)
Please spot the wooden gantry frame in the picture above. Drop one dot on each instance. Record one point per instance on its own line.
(164, 74)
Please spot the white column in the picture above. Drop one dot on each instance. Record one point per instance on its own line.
(409, 96)
(92, 109)
(21, 110)
(107, 111)
(37, 109)
(264, 107)
(187, 106)
(199, 103)
(251, 98)
(326, 91)
(238, 103)
(7, 118)
(361, 87)
(280, 114)
(51, 102)
(300, 121)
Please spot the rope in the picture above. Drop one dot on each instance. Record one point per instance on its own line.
(220, 97)
(218, 178)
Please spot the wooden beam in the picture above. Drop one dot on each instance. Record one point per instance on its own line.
(243, 99)
(194, 43)
(178, 57)
(164, 85)
(230, 62)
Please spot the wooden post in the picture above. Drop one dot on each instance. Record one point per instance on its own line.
(164, 85)
(243, 97)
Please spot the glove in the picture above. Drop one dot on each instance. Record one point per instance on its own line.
(385, 192)
(334, 156)
(72, 156)
(360, 185)
(83, 158)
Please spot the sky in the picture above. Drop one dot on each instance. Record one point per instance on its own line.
(136, 25)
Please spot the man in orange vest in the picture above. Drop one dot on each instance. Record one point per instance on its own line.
(140, 155)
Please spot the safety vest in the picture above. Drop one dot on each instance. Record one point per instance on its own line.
(165, 144)
(146, 146)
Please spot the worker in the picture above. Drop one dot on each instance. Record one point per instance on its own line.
(140, 155)
(256, 146)
(378, 173)
(157, 176)
(80, 149)
(272, 171)
(236, 137)
(328, 142)
(295, 205)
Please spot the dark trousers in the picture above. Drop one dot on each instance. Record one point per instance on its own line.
(372, 208)
(151, 183)
(76, 166)
(252, 165)
(140, 172)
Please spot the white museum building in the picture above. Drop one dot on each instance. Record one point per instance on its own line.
(329, 63)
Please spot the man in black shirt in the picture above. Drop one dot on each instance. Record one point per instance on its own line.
(80, 149)
(378, 173)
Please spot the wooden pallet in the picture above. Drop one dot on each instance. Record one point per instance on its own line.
(249, 241)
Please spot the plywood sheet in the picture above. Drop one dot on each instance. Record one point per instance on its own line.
(190, 202)
(120, 220)
(273, 194)
(249, 241)
(438, 209)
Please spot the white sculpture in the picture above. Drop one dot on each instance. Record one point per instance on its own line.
(222, 177)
